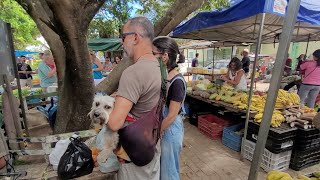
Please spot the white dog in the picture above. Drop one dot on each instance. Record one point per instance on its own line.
(100, 111)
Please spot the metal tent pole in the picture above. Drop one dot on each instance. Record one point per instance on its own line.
(188, 64)
(231, 52)
(202, 57)
(288, 26)
(214, 52)
(258, 45)
(307, 45)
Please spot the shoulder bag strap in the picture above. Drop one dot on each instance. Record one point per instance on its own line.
(185, 90)
(311, 72)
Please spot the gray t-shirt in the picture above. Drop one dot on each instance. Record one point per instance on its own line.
(141, 84)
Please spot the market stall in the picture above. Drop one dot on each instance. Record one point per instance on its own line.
(236, 25)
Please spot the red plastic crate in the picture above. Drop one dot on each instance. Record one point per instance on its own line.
(211, 125)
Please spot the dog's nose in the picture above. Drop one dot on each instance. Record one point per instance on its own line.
(96, 114)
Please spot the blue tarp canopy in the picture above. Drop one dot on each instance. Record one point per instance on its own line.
(23, 53)
(240, 22)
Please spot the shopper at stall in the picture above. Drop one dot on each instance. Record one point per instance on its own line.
(138, 94)
(236, 75)
(172, 126)
(310, 86)
(288, 66)
(117, 60)
(245, 61)
(47, 71)
(195, 63)
(25, 72)
(97, 68)
(108, 66)
(300, 59)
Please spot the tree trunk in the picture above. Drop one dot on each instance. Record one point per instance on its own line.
(171, 19)
(110, 84)
(64, 25)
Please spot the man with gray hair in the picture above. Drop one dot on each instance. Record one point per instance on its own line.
(47, 71)
(138, 92)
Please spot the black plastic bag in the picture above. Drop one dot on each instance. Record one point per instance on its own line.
(76, 161)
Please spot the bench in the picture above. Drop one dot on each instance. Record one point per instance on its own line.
(46, 142)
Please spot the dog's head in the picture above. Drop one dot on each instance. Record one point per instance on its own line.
(101, 109)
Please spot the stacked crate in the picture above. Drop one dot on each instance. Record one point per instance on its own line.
(232, 136)
(278, 149)
(306, 151)
(212, 126)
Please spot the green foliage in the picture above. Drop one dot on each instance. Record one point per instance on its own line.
(214, 4)
(108, 21)
(35, 64)
(24, 29)
(114, 13)
(155, 9)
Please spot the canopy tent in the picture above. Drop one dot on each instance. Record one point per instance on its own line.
(105, 44)
(258, 21)
(22, 52)
(239, 22)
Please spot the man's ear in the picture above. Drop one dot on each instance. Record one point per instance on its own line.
(136, 39)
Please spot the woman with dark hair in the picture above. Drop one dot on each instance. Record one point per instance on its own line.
(310, 86)
(236, 75)
(172, 126)
(117, 60)
(300, 59)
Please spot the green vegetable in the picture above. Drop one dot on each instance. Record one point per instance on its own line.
(201, 87)
(317, 174)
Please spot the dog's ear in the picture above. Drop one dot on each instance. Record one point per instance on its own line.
(90, 114)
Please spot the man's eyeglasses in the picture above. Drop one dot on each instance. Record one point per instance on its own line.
(124, 35)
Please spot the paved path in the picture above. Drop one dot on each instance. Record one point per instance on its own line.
(203, 158)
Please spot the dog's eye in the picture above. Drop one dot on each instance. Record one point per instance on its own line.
(107, 107)
(97, 103)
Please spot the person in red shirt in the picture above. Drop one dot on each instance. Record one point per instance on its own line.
(288, 66)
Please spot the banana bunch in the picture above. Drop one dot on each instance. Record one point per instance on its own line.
(239, 104)
(276, 121)
(276, 175)
(286, 99)
(295, 99)
(257, 103)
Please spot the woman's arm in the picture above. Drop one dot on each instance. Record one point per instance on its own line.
(304, 65)
(237, 78)
(52, 72)
(174, 109)
(98, 63)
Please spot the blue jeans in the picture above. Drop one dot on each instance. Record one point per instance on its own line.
(171, 146)
(308, 94)
(194, 77)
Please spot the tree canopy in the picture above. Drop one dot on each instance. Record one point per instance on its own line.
(24, 29)
(114, 13)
